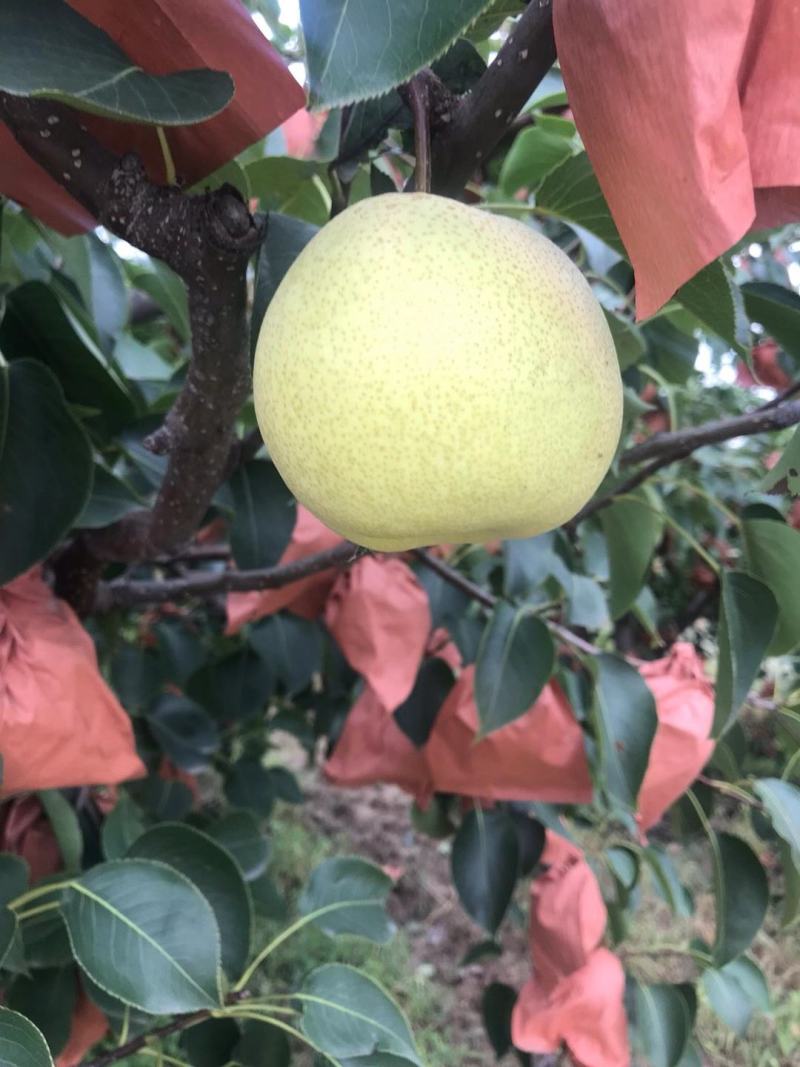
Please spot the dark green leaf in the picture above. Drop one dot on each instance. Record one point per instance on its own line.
(139, 362)
(122, 1018)
(184, 731)
(417, 714)
(497, 1005)
(777, 308)
(47, 998)
(356, 49)
(736, 992)
(44, 937)
(137, 676)
(211, 1043)
(267, 899)
(249, 786)
(667, 881)
(586, 604)
(181, 650)
(121, 827)
(13, 877)
(291, 647)
(110, 499)
(772, 554)
(485, 860)
(50, 50)
(349, 1015)
(145, 934)
(285, 786)
(264, 515)
(347, 878)
(788, 467)
(21, 1044)
(748, 615)
(262, 1045)
(742, 895)
(515, 660)
(212, 869)
(782, 801)
(286, 238)
(447, 603)
(626, 725)
(37, 325)
(493, 18)
(93, 267)
(240, 834)
(368, 122)
(664, 1020)
(460, 67)
(633, 528)
(791, 886)
(236, 687)
(65, 826)
(571, 192)
(716, 300)
(45, 466)
(8, 933)
(163, 798)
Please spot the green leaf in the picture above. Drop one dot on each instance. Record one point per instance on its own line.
(212, 869)
(168, 291)
(782, 801)
(629, 340)
(748, 615)
(237, 686)
(772, 554)
(736, 992)
(13, 877)
(122, 1018)
(121, 827)
(515, 660)
(742, 895)
(667, 882)
(93, 267)
(715, 299)
(777, 308)
(497, 1004)
(291, 647)
(21, 1044)
(136, 676)
(249, 786)
(367, 123)
(44, 937)
(788, 467)
(140, 362)
(146, 935)
(181, 648)
(484, 863)
(633, 528)
(348, 1015)
(47, 998)
(241, 835)
(586, 604)
(417, 714)
(571, 192)
(348, 878)
(286, 238)
(493, 18)
(184, 731)
(65, 826)
(791, 886)
(110, 499)
(534, 153)
(9, 932)
(625, 715)
(664, 1020)
(37, 325)
(356, 49)
(267, 899)
(211, 1043)
(291, 187)
(50, 50)
(263, 517)
(262, 1045)
(45, 466)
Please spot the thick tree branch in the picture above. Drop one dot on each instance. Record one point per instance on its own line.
(478, 120)
(207, 240)
(124, 593)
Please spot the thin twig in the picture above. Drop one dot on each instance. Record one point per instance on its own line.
(125, 593)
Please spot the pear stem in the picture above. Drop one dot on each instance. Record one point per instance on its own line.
(419, 100)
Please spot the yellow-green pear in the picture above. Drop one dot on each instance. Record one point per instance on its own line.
(428, 372)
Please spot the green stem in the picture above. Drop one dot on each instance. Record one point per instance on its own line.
(40, 891)
(676, 526)
(731, 516)
(22, 915)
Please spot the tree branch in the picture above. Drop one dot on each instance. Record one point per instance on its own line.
(207, 240)
(662, 449)
(124, 593)
(479, 119)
